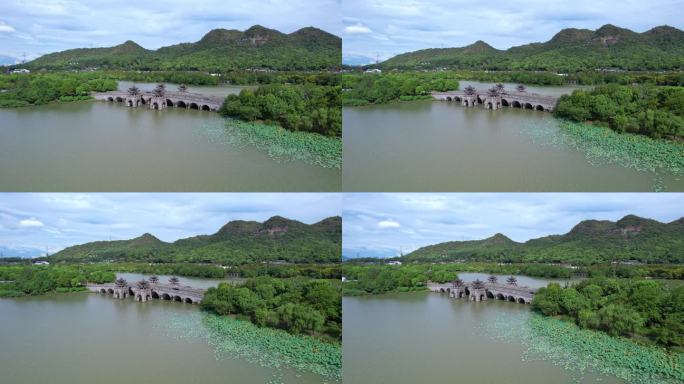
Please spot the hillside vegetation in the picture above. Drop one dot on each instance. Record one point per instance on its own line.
(661, 48)
(236, 243)
(219, 50)
(589, 242)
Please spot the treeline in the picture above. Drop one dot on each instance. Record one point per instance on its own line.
(657, 271)
(362, 89)
(298, 305)
(377, 279)
(35, 89)
(37, 280)
(309, 108)
(619, 307)
(578, 78)
(313, 271)
(233, 77)
(652, 111)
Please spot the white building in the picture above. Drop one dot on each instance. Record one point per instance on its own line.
(394, 262)
(41, 263)
(374, 70)
(21, 70)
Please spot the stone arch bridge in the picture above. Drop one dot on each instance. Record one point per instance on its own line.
(170, 292)
(495, 291)
(185, 100)
(523, 100)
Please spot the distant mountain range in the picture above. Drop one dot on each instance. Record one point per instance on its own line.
(220, 49)
(590, 241)
(235, 243)
(661, 48)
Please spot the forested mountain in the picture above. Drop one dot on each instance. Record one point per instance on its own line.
(661, 48)
(237, 242)
(590, 241)
(219, 50)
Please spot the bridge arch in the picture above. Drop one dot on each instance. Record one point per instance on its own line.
(110, 98)
(521, 300)
(539, 108)
(181, 104)
(516, 104)
(448, 98)
(155, 105)
(110, 291)
(505, 103)
(169, 103)
(206, 107)
(102, 290)
(177, 298)
(511, 298)
(194, 106)
(490, 295)
(119, 99)
(500, 296)
(188, 300)
(166, 296)
(155, 295)
(528, 106)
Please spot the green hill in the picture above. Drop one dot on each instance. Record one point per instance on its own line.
(219, 50)
(661, 48)
(590, 241)
(237, 242)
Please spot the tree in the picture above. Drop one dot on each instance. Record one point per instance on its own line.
(619, 320)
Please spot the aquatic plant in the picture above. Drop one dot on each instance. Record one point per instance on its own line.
(272, 348)
(602, 145)
(581, 350)
(281, 144)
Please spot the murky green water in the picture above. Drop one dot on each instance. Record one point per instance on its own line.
(439, 146)
(100, 146)
(88, 338)
(430, 338)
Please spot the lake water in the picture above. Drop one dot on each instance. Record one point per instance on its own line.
(84, 338)
(440, 146)
(430, 338)
(100, 146)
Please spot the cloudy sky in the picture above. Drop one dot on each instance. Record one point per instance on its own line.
(385, 28)
(37, 27)
(382, 225)
(31, 222)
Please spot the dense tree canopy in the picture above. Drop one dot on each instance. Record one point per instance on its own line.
(298, 305)
(309, 108)
(38, 279)
(652, 111)
(361, 89)
(35, 89)
(625, 307)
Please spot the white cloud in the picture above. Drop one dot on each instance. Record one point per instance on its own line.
(32, 222)
(4, 27)
(389, 223)
(357, 29)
